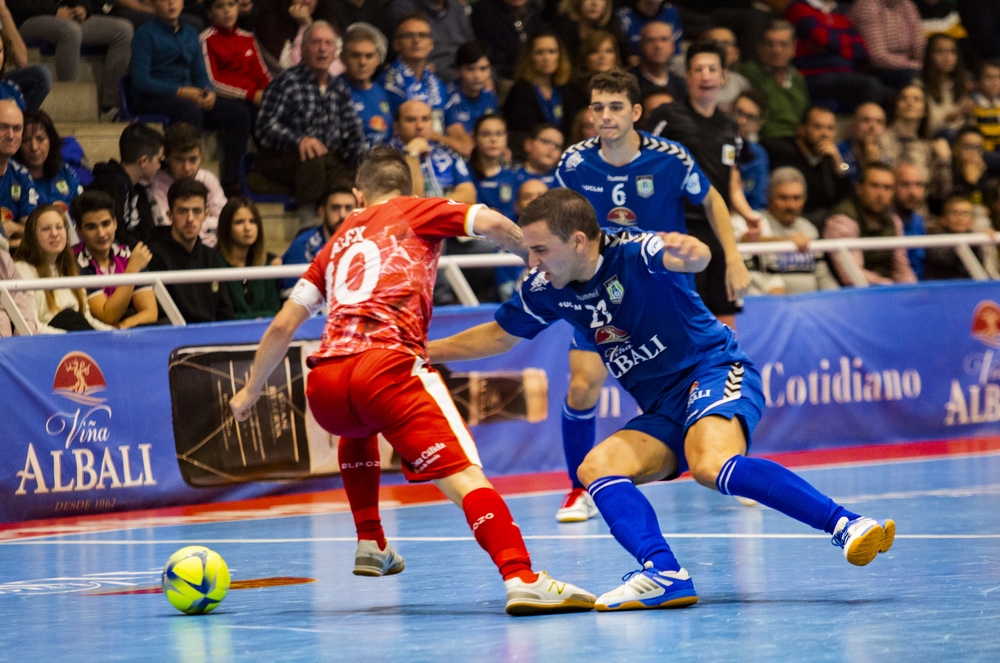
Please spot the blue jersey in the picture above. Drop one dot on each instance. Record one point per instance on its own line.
(372, 106)
(461, 110)
(401, 84)
(303, 249)
(498, 191)
(755, 172)
(648, 349)
(18, 196)
(647, 192)
(523, 176)
(60, 190)
(633, 22)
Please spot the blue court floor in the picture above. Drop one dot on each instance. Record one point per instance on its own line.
(771, 589)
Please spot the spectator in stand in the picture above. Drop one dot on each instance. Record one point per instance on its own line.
(864, 144)
(814, 153)
(968, 174)
(67, 27)
(178, 246)
(830, 53)
(584, 126)
(309, 132)
(468, 97)
(18, 197)
(174, 83)
(33, 81)
(123, 306)
(579, 19)
(634, 16)
(278, 24)
(233, 61)
(736, 83)
(541, 156)
(907, 139)
(894, 36)
(753, 162)
(505, 26)
(496, 185)
(45, 253)
(127, 182)
(292, 54)
(598, 53)
(869, 214)
(986, 108)
(652, 99)
(656, 48)
(364, 51)
(786, 273)
(449, 24)
(374, 13)
(981, 19)
(182, 156)
(241, 244)
(55, 181)
(414, 42)
(537, 95)
(947, 86)
(436, 170)
(22, 299)
(942, 261)
(782, 84)
(337, 202)
(909, 205)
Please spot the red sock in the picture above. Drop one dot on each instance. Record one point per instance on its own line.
(361, 469)
(498, 534)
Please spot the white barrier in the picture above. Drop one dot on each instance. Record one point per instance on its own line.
(451, 267)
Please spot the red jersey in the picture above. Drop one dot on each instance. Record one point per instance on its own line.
(234, 63)
(377, 273)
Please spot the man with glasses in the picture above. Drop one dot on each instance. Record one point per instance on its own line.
(633, 180)
(449, 23)
(541, 154)
(18, 197)
(411, 76)
(754, 164)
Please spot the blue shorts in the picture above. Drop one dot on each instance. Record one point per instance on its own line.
(726, 390)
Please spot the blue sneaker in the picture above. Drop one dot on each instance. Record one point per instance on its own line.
(864, 538)
(648, 588)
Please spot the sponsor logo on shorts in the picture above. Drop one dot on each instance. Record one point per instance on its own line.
(428, 456)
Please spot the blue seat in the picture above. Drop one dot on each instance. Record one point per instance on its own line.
(125, 95)
(246, 165)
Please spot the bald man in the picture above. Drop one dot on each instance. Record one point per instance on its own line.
(437, 171)
(18, 196)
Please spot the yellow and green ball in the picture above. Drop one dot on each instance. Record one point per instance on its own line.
(195, 580)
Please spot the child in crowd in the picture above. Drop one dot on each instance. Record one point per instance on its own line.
(541, 155)
(468, 97)
(233, 60)
(987, 111)
(182, 156)
(364, 50)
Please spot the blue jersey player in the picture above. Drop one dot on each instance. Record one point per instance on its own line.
(633, 180)
(700, 394)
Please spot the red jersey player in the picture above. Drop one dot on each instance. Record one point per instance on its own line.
(371, 376)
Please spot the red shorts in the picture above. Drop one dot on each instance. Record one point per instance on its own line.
(396, 394)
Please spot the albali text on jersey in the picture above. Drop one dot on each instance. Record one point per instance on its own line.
(647, 193)
(647, 348)
(377, 273)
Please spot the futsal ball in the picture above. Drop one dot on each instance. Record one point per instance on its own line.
(195, 580)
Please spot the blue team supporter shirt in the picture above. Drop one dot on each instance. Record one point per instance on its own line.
(60, 190)
(402, 84)
(372, 106)
(632, 23)
(646, 348)
(303, 249)
(498, 191)
(648, 192)
(461, 110)
(523, 176)
(18, 196)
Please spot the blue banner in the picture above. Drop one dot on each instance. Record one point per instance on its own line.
(98, 422)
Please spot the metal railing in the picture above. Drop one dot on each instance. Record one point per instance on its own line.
(451, 269)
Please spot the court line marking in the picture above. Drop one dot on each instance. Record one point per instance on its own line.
(440, 539)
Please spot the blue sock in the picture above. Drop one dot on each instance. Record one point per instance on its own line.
(579, 430)
(633, 521)
(781, 489)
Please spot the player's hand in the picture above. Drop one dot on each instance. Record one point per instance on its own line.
(242, 403)
(737, 278)
(141, 255)
(310, 148)
(690, 254)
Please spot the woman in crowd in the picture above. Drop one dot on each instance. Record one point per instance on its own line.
(55, 180)
(598, 53)
(241, 244)
(947, 85)
(907, 139)
(538, 94)
(578, 19)
(45, 253)
(496, 185)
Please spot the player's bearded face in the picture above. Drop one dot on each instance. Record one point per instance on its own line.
(561, 261)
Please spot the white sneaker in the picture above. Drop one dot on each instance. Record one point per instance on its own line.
(649, 588)
(863, 538)
(577, 507)
(370, 561)
(545, 596)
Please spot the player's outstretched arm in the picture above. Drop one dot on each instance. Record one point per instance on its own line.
(272, 349)
(500, 230)
(684, 253)
(737, 276)
(485, 340)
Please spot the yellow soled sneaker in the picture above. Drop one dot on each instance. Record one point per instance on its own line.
(545, 596)
(863, 538)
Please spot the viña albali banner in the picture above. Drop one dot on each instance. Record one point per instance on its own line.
(97, 422)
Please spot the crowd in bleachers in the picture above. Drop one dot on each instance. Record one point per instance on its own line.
(481, 97)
